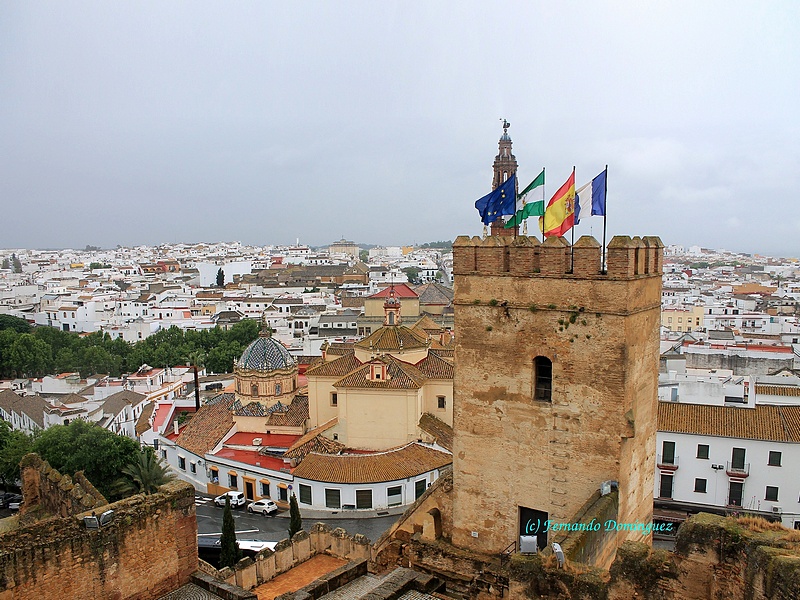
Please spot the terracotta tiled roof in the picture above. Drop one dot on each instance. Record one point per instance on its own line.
(295, 415)
(443, 352)
(208, 426)
(401, 375)
(314, 441)
(340, 347)
(73, 399)
(116, 402)
(764, 422)
(409, 461)
(436, 367)
(434, 293)
(401, 290)
(9, 400)
(426, 325)
(777, 390)
(34, 407)
(335, 368)
(143, 423)
(438, 429)
(390, 338)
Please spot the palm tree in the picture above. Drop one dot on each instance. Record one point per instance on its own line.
(144, 476)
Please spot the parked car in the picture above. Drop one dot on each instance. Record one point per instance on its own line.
(237, 499)
(265, 507)
(7, 498)
(14, 504)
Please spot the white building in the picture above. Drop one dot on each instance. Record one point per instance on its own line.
(729, 459)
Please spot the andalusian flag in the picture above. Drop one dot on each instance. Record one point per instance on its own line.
(560, 212)
(533, 207)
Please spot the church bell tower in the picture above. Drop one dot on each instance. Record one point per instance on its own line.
(505, 165)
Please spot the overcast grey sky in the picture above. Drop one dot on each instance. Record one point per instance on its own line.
(141, 123)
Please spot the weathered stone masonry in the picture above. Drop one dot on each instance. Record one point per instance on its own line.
(516, 299)
(148, 549)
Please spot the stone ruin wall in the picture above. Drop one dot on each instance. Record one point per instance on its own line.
(251, 572)
(715, 558)
(147, 550)
(48, 492)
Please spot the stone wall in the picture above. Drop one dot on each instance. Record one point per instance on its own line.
(147, 550)
(593, 541)
(251, 572)
(737, 363)
(49, 493)
(716, 557)
(516, 300)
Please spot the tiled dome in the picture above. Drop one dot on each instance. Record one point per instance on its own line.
(266, 354)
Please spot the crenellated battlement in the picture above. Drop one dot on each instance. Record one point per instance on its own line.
(626, 257)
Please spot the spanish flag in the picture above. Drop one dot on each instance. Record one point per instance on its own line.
(559, 216)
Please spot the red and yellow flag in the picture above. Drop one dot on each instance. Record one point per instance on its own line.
(559, 216)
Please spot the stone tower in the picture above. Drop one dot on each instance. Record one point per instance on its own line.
(505, 165)
(556, 382)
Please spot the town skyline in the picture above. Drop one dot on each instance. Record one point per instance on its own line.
(143, 123)
(363, 245)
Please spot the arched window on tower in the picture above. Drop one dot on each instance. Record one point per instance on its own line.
(391, 318)
(277, 389)
(542, 379)
(254, 390)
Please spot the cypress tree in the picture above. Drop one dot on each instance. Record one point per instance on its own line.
(295, 521)
(229, 554)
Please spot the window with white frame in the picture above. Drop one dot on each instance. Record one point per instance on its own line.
(304, 493)
(363, 498)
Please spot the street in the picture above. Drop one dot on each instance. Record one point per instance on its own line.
(273, 529)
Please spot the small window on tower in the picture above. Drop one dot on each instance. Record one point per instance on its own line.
(542, 379)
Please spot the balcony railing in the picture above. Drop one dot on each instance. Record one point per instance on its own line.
(668, 463)
(737, 469)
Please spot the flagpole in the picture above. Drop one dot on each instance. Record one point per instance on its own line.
(544, 207)
(605, 212)
(572, 243)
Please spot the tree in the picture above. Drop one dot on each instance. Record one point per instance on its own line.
(96, 360)
(6, 264)
(15, 323)
(220, 358)
(229, 554)
(220, 278)
(13, 446)
(87, 447)
(295, 520)
(412, 273)
(29, 356)
(144, 476)
(363, 255)
(16, 264)
(243, 332)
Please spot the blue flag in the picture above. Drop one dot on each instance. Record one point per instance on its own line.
(501, 201)
(592, 194)
(599, 193)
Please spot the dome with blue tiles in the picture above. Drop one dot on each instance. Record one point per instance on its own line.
(266, 354)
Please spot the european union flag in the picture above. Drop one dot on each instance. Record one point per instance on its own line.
(501, 201)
